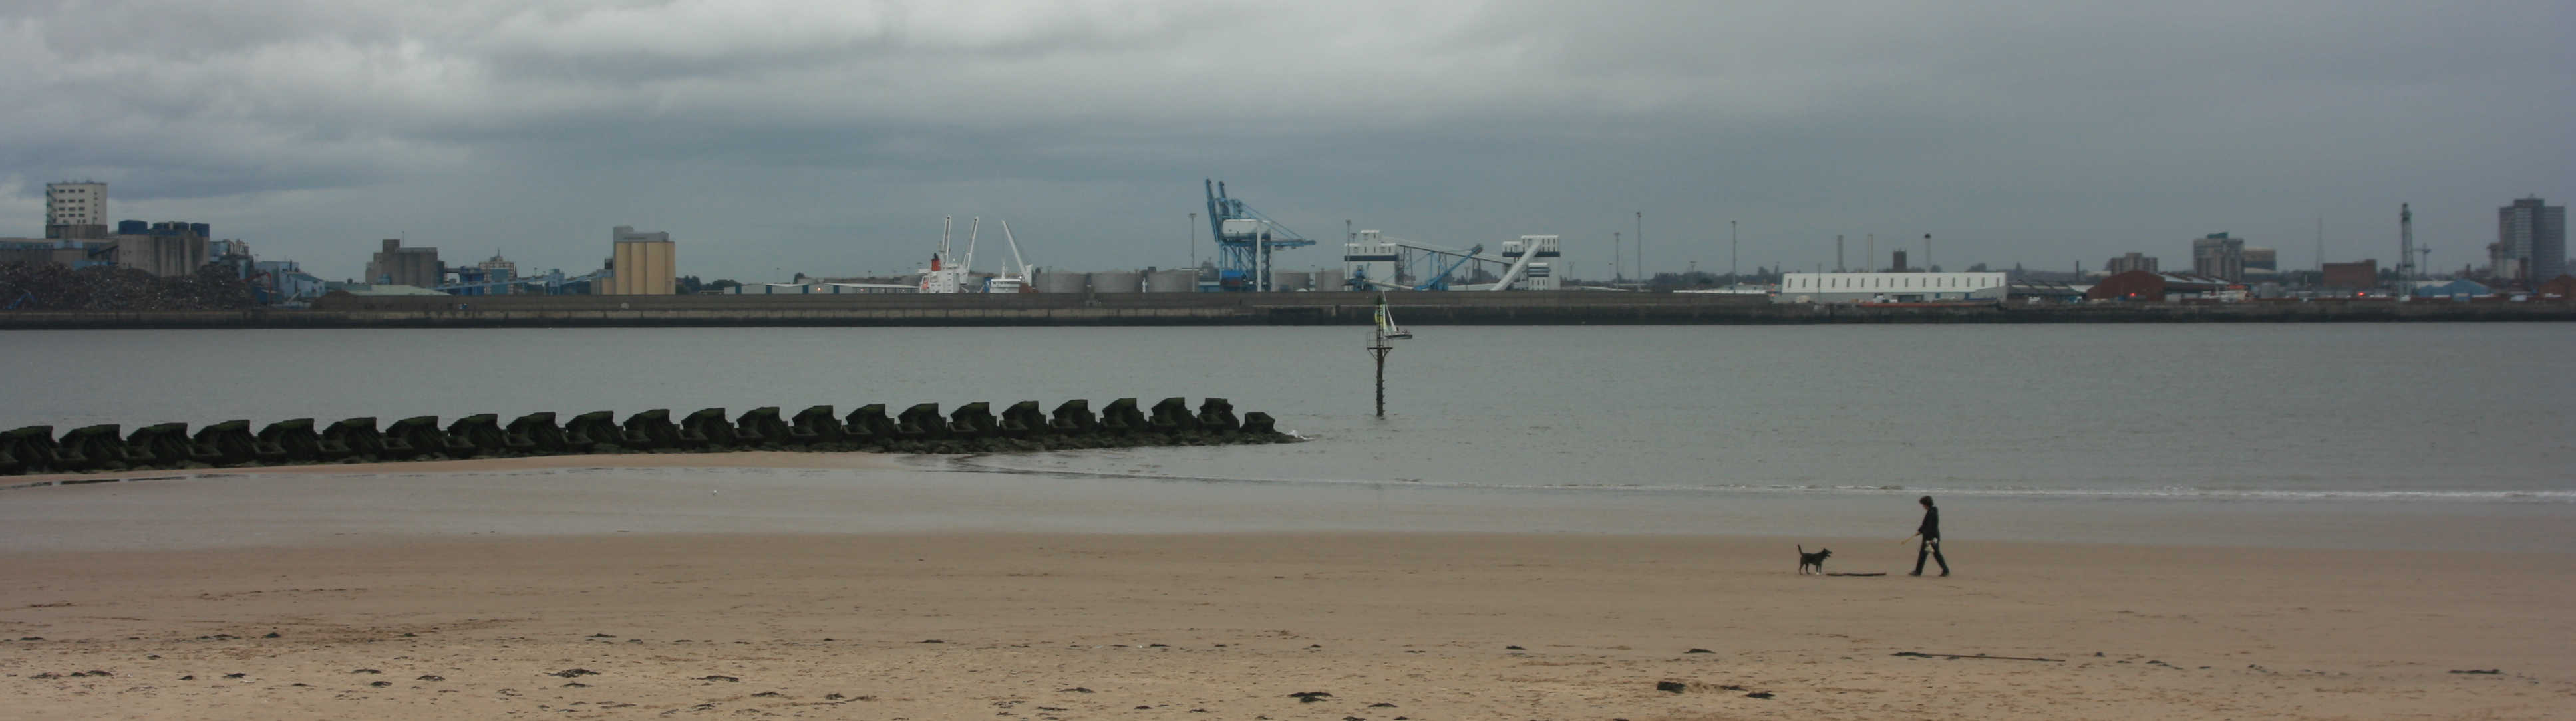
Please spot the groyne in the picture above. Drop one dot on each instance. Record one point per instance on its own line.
(972, 428)
(1211, 309)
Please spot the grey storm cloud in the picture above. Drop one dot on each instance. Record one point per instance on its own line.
(828, 137)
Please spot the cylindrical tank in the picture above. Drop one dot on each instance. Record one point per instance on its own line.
(1330, 279)
(1116, 281)
(1172, 281)
(1057, 281)
(1291, 280)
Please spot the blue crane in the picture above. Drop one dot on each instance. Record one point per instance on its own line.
(1440, 281)
(1244, 240)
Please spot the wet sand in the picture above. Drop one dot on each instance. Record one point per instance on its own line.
(1223, 625)
(730, 459)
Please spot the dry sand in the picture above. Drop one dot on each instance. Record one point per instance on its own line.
(1227, 626)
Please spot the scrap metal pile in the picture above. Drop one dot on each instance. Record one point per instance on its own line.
(972, 428)
(47, 286)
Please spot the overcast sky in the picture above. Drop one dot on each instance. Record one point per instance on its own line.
(831, 136)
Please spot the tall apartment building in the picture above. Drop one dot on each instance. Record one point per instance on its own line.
(2126, 263)
(398, 265)
(2219, 256)
(2531, 241)
(76, 210)
(643, 263)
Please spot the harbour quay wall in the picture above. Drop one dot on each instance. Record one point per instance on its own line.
(1195, 309)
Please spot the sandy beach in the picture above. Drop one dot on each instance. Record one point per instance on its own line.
(407, 623)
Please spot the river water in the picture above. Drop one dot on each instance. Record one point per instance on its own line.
(2327, 421)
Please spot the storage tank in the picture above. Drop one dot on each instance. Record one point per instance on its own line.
(1291, 280)
(1172, 281)
(1057, 281)
(1116, 281)
(1330, 279)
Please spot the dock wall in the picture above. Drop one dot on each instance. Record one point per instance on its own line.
(1200, 309)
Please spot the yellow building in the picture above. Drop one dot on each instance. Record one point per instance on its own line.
(644, 264)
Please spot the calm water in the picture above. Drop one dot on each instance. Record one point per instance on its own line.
(2332, 435)
(2444, 412)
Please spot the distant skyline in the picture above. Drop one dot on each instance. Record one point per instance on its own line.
(830, 137)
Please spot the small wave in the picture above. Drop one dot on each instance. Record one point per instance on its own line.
(977, 464)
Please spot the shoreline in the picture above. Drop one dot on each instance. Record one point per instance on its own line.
(793, 492)
(1196, 626)
(852, 460)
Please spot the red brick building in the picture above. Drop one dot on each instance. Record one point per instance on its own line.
(2145, 287)
(2563, 286)
(2352, 276)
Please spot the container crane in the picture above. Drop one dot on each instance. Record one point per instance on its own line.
(1244, 240)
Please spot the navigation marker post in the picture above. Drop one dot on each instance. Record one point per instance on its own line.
(1378, 347)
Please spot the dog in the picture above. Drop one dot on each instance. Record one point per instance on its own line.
(1812, 560)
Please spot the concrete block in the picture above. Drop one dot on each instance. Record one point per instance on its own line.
(160, 445)
(815, 426)
(596, 431)
(649, 431)
(90, 448)
(31, 447)
(1173, 416)
(1074, 418)
(291, 441)
(1122, 418)
(1258, 423)
(920, 422)
(973, 420)
(414, 437)
(1217, 416)
(762, 427)
(706, 428)
(869, 425)
(476, 435)
(1023, 419)
(224, 444)
(535, 434)
(354, 439)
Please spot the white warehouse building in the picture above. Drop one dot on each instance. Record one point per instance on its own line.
(1889, 287)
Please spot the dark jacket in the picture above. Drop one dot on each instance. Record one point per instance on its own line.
(1931, 527)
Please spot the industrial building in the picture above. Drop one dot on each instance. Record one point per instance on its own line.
(2459, 289)
(2145, 287)
(169, 248)
(642, 264)
(1372, 261)
(397, 265)
(2360, 276)
(1889, 287)
(76, 210)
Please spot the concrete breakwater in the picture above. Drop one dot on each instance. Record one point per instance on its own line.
(972, 428)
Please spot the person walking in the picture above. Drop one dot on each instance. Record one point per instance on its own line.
(1931, 533)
